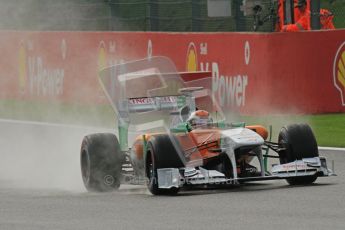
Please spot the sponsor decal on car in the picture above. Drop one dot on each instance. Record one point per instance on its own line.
(151, 101)
(294, 166)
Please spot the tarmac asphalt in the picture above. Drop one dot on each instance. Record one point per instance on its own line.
(41, 188)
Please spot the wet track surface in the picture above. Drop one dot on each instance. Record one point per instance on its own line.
(41, 188)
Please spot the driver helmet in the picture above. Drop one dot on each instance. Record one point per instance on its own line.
(199, 118)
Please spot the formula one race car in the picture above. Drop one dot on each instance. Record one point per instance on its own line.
(178, 144)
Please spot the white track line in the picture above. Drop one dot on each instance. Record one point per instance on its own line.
(332, 149)
(37, 123)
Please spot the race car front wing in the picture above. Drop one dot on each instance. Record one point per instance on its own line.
(176, 178)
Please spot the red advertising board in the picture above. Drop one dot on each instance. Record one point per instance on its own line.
(252, 73)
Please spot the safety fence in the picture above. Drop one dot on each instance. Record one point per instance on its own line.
(337, 7)
(140, 15)
(181, 15)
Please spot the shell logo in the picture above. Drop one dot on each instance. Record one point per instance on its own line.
(102, 56)
(22, 65)
(339, 72)
(192, 60)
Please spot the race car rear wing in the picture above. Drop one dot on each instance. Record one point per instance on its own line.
(150, 85)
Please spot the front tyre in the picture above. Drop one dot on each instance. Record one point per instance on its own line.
(101, 162)
(161, 153)
(299, 142)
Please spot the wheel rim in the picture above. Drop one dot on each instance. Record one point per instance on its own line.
(85, 167)
(150, 170)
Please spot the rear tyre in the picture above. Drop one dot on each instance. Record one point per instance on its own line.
(299, 142)
(161, 153)
(101, 162)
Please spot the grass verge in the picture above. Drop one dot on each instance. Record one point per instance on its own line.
(329, 129)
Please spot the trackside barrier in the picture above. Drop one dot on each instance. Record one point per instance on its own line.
(252, 73)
